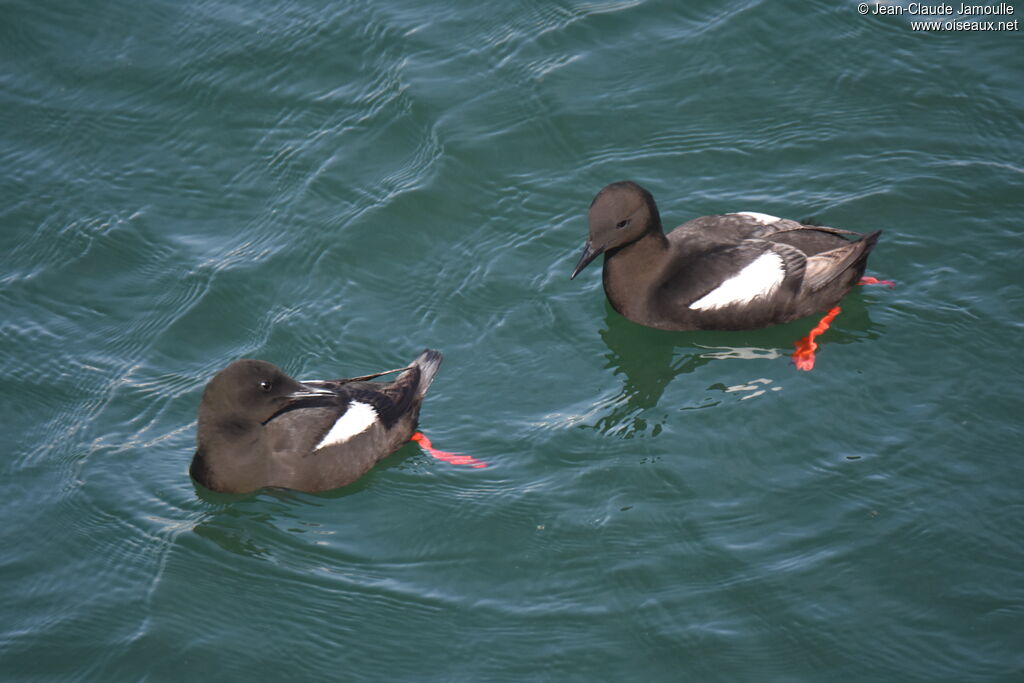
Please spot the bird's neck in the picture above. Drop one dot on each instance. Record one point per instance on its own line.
(233, 452)
(632, 272)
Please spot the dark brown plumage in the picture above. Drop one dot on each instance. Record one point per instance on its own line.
(726, 272)
(258, 427)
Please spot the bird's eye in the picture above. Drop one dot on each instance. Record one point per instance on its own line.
(265, 385)
(622, 224)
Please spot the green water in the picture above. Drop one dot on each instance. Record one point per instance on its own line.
(334, 186)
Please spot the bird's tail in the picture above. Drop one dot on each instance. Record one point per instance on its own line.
(428, 362)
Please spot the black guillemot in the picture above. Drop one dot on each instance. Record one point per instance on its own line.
(735, 271)
(259, 428)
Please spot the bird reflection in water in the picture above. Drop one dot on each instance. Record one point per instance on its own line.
(649, 360)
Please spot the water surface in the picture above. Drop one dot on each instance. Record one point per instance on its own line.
(334, 186)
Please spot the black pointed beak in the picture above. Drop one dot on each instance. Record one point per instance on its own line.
(308, 392)
(588, 255)
(306, 397)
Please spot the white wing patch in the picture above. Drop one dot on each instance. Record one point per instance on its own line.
(759, 278)
(762, 218)
(356, 420)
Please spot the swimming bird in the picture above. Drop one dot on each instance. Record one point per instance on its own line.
(735, 271)
(259, 428)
